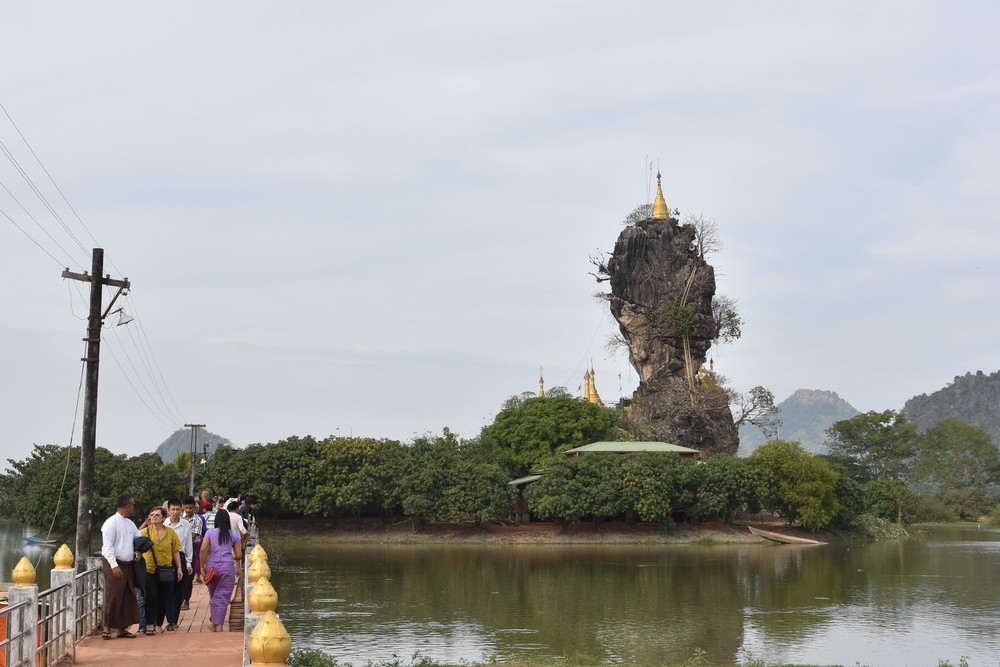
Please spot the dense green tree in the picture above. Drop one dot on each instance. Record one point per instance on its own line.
(850, 495)
(880, 444)
(43, 488)
(429, 462)
(382, 472)
(558, 494)
(801, 485)
(361, 473)
(289, 474)
(479, 491)
(969, 503)
(651, 484)
(892, 499)
(228, 468)
(956, 455)
(600, 477)
(533, 433)
(729, 485)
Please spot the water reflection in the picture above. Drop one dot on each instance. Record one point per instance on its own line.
(891, 603)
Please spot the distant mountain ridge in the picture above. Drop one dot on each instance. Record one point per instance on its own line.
(974, 398)
(805, 416)
(180, 442)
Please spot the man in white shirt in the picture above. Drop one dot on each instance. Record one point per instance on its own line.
(236, 521)
(118, 533)
(182, 527)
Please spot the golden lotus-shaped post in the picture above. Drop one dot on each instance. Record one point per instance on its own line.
(24, 573)
(256, 554)
(63, 558)
(269, 643)
(263, 597)
(257, 570)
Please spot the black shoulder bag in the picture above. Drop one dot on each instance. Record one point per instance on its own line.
(164, 573)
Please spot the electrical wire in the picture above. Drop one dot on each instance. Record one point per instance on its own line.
(51, 180)
(162, 407)
(163, 419)
(69, 451)
(40, 247)
(142, 333)
(154, 385)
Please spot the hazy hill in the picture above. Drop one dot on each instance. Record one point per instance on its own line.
(973, 398)
(180, 441)
(805, 416)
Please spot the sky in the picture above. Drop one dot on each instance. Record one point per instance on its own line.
(376, 219)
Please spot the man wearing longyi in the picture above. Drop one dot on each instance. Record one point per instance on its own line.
(121, 610)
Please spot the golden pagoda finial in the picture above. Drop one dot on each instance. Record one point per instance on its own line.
(660, 210)
(258, 570)
(269, 643)
(541, 383)
(63, 558)
(257, 553)
(24, 573)
(262, 597)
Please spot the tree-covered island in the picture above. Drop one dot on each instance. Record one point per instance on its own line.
(880, 470)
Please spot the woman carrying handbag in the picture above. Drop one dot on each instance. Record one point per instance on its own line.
(220, 552)
(163, 569)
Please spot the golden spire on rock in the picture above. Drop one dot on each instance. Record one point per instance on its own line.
(590, 386)
(660, 210)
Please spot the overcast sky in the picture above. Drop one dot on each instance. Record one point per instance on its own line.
(375, 218)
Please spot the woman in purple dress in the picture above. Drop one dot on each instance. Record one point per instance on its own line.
(220, 549)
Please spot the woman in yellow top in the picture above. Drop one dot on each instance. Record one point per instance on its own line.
(166, 552)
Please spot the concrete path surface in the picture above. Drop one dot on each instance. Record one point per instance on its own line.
(192, 643)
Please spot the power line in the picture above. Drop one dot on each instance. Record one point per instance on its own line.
(154, 385)
(52, 180)
(20, 229)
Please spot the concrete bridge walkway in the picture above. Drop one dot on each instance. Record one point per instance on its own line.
(192, 643)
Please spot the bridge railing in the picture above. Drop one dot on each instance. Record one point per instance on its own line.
(15, 631)
(40, 629)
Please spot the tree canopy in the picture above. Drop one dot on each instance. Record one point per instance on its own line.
(955, 455)
(874, 445)
(532, 434)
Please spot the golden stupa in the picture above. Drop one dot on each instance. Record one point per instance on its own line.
(660, 210)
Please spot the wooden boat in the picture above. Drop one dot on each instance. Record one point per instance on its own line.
(781, 537)
(34, 541)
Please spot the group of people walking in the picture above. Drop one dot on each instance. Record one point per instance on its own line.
(150, 569)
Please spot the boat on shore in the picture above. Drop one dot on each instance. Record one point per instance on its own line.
(782, 537)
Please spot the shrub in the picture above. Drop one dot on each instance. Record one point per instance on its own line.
(995, 516)
(310, 657)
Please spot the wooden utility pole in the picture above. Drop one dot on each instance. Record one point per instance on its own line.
(84, 511)
(194, 450)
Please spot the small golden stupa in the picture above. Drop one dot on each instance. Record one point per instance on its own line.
(660, 210)
(590, 386)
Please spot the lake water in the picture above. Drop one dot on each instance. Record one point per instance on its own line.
(13, 548)
(903, 603)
